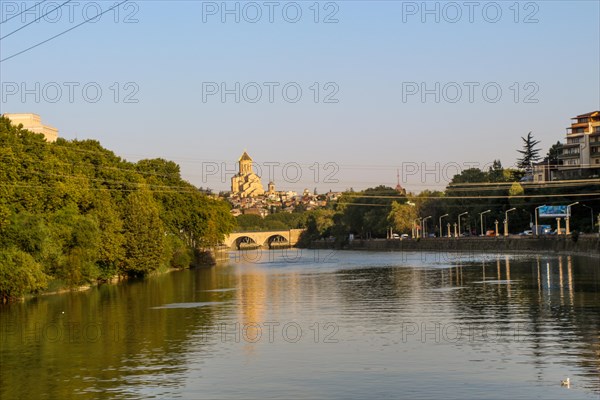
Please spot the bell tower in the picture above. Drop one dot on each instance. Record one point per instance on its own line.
(245, 164)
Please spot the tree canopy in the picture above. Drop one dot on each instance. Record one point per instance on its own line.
(74, 213)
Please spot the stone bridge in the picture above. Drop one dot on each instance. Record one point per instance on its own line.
(266, 239)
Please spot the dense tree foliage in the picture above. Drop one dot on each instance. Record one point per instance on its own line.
(272, 222)
(366, 213)
(553, 153)
(73, 213)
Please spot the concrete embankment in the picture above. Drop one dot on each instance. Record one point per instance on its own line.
(585, 245)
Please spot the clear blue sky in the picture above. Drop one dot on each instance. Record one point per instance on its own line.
(373, 57)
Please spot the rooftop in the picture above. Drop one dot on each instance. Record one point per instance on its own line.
(587, 115)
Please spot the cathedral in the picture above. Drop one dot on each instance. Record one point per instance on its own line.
(246, 183)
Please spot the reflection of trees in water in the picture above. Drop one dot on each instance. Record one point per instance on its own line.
(556, 300)
(369, 285)
(529, 306)
(108, 339)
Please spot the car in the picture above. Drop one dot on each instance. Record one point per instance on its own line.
(404, 236)
(526, 233)
(490, 233)
(395, 236)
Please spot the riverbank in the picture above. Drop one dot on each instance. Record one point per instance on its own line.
(205, 258)
(585, 245)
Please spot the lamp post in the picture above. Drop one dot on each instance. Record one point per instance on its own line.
(441, 230)
(460, 215)
(481, 219)
(591, 217)
(537, 228)
(568, 219)
(425, 225)
(506, 220)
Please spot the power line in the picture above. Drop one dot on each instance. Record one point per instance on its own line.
(35, 20)
(62, 33)
(477, 197)
(22, 12)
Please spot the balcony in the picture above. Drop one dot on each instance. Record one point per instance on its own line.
(569, 155)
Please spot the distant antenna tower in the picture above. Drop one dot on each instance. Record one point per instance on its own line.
(399, 187)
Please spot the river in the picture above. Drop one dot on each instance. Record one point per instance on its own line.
(318, 324)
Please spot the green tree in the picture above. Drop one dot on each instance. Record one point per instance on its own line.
(403, 216)
(144, 234)
(529, 154)
(20, 274)
(553, 153)
(367, 213)
(470, 175)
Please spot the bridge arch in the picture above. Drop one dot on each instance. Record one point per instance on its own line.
(277, 241)
(245, 242)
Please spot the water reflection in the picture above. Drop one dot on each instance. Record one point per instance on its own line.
(294, 324)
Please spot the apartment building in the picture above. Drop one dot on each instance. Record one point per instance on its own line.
(580, 155)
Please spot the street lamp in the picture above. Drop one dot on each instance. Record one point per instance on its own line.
(424, 225)
(481, 219)
(506, 220)
(568, 219)
(537, 228)
(591, 217)
(460, 215)
(441, 230)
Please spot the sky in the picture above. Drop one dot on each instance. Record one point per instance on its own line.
(327, 95)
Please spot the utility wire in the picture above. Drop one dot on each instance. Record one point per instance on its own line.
(475, 197)
(35, 20)
(22, 12)
(62, 33)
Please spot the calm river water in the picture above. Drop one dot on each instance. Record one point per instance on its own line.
(318, 324)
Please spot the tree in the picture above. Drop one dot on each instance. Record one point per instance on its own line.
(470, 175)
(144, 234)
(367, 213)
(403, 216)
(19, 274)
(553, 153)
(529, 154)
